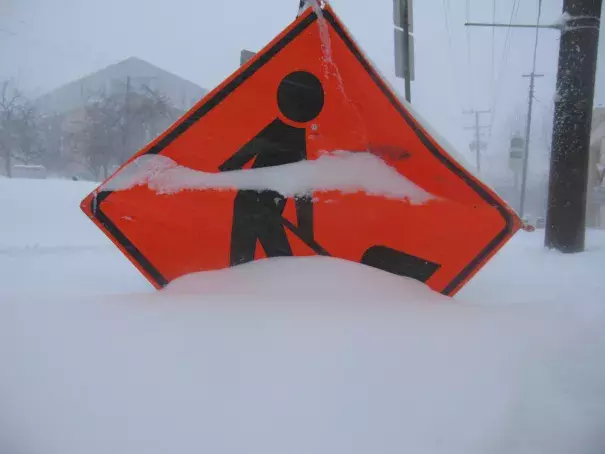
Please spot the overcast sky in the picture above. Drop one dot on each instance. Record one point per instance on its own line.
(46, 43)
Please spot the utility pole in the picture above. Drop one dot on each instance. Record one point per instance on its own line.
(567, 189)
(537, 26)
(404, 43)
(477, 145)
(126, 125)
(405, 18)
(530, 104)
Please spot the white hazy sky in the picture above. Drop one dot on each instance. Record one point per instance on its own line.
(46, 43)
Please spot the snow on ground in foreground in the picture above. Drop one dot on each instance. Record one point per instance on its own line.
(48, 246)
(288, 355)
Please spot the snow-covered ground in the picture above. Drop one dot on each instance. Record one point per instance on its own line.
(289, 355)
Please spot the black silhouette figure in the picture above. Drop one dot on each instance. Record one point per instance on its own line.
(257, 215)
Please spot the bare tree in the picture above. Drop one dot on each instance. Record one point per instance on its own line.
(143, 116)
(116, 126)
(10, 100)
(52, 138)
(95, 140)
(20, 132)
(28, 146)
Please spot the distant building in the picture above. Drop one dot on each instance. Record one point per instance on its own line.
(37, 172)
(64, 108)
(595, 213)
(134, 73)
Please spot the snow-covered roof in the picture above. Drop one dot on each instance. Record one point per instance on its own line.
(182, 93)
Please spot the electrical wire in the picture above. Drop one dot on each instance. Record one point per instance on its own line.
(470, 86)
(503, 63)
(537, 36)
(451, 59)
(491, 70)
(497, 81)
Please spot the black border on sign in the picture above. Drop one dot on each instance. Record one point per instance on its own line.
(238, 80)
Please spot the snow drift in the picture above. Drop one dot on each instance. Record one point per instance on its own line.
(290, 355)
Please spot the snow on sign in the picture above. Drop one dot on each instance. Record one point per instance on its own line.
(303, 151)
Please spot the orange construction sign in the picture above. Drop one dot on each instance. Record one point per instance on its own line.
(304, 98)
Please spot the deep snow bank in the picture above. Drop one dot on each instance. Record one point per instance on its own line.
(288, 355)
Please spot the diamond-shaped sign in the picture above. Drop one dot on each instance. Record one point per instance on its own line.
(309, 92)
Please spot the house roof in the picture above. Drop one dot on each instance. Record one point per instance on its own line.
(139, 73)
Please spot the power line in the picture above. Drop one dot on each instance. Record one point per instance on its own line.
(537, 35)
(451, 59)
(503, 62)
(532, 77)
(491, 70)
(513, 15)
(471, 92)
(529, 112)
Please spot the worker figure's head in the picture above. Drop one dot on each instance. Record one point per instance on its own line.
(300, 96)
